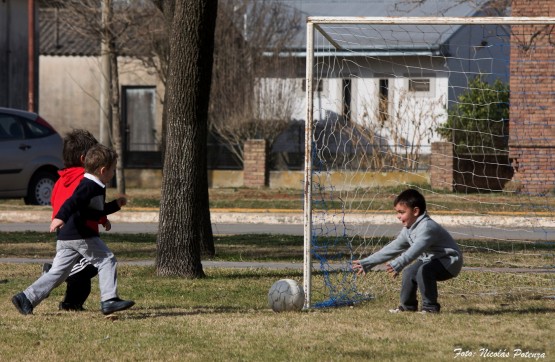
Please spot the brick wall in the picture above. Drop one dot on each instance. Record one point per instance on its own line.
(467, 172)
(532, 103)
(441, 166)
(254, 167)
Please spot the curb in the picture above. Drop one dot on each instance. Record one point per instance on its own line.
(295, 217)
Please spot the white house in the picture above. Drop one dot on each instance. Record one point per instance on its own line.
(392, 83)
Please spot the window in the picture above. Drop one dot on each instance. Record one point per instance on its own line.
(36, 129)
(383, 100)
(10, 128)
(347, 98)
(419, 85)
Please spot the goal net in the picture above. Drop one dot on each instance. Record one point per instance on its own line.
(460, 109)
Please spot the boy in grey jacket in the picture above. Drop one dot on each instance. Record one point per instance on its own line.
(435, 254)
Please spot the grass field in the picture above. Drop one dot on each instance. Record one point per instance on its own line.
(288, 248)
(225, 317)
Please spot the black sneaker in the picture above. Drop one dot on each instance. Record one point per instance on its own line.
(22, 304)
(114, 305)
(71, 307)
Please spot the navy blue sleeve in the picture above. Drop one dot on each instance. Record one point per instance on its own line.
(111, 207)
(81, 196)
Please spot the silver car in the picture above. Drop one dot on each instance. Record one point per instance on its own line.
(31, 156)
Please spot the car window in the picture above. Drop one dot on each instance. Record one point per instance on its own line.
(37, 130)
(10, 128)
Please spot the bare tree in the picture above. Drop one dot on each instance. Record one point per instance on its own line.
(184, 204)
(118, 30)
(412, 123)
(393, 132)
(251, 96)
(250, 35)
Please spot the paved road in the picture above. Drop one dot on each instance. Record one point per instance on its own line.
(387, 230)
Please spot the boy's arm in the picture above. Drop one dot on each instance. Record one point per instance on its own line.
(115, 205)
(423, 241)
(386, 253)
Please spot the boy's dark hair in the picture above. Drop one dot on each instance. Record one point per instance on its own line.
(99, 156)
(412, 199)
(76, 144)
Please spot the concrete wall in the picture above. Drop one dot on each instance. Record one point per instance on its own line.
(285, 179)
(70, 90)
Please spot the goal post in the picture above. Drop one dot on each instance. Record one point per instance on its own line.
(445, 105)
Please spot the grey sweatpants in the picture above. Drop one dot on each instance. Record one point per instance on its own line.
(68, 252)
(424, 277)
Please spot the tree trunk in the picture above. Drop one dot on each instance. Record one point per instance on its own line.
(184, 208)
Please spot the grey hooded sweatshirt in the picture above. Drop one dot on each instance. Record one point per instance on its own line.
(425, 240)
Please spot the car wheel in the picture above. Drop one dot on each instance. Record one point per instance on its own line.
(40, 188)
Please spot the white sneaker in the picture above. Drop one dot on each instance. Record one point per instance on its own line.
(400, 309)
(429, 311)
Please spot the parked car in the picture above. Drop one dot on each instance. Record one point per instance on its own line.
(31, 152)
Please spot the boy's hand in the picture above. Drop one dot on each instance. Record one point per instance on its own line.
(56, 224)
(358, 268)
(122, 201)
(107, 225)
(390, 270)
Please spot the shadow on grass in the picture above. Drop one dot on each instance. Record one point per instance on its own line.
(174, 311)
(502, 310)
(257, 274)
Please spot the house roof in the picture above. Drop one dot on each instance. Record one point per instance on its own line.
(58, 36)
(411, 37)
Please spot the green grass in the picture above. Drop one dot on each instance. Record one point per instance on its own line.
(224, 317)
(287, 248)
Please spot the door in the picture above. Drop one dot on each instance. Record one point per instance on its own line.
(141, 139)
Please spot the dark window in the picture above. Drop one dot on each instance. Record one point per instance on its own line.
(10, 128)
(347, 97)
(383, 105)
(37, 130)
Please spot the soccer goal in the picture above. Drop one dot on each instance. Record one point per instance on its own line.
(462, 109)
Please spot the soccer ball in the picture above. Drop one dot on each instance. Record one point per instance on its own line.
(286, 295)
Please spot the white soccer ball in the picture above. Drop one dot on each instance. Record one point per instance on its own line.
(286, 295)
